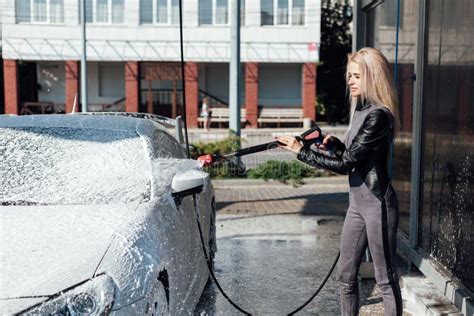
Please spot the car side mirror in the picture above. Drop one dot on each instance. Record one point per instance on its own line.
(187, 183)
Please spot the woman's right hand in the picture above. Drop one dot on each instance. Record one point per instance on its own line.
(326, 143)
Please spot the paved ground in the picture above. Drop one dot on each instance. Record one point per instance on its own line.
(275, 245)
(327, 196)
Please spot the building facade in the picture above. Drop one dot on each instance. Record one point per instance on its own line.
(133, 53)
(431, 48)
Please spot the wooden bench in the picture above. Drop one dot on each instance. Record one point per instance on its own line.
(37, 108)
(280, 115)
(221, 115)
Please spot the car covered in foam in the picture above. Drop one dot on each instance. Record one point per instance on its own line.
(98, 215)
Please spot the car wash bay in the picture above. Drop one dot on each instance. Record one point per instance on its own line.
(275, 245)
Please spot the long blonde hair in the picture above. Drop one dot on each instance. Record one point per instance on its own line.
(377, 84)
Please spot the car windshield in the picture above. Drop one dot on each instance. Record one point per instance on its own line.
(63, 165)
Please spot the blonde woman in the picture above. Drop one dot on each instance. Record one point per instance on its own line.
(372, 216)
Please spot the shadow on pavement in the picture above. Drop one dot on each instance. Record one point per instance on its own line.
(315, 204)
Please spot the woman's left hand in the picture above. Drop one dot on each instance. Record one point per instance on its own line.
(290, 143)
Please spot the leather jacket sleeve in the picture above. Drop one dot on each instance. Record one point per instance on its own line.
(338, 147)
(374, 130)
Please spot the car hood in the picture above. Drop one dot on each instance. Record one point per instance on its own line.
(46, 249)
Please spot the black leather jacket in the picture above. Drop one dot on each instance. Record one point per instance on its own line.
(365, 159)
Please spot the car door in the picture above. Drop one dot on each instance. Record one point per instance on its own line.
(187, 242)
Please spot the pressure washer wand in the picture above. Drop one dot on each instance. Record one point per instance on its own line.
(309, 137)
(253, 149)
(207, 160)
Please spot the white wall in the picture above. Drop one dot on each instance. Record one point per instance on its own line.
(215, 80)
(51, 77)
(132, 41)
(117, 82)
(279, 84)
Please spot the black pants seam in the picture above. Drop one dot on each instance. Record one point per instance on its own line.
(388, 263)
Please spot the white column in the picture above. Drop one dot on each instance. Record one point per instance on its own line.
(252, 12)
(190, 13)
(132, 13)
(72, 12)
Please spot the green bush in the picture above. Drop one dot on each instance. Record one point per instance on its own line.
(222, 147)
(291, 171)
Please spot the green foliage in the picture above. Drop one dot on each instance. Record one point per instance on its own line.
(291, 171)
(321, 109)
(335, 24)
(336, 43)
(222, 147)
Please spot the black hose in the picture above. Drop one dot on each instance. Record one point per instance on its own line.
(320, 287)
(209, 263)
(183, 79)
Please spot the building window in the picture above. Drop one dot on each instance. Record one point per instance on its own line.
(216, 12)
(389, 12)
(282, 12)
(266, 12)
(222, 12)
(159, 11)
(105, 11)
(297, 15)
(56, 11)
(242, 12)
(39, 11)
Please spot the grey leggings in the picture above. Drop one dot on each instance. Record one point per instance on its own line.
(371, 222)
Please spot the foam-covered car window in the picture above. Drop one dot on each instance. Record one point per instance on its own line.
(63, 165)
(165, 146)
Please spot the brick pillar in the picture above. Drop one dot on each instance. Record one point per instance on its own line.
(132, 86)
(309, 91)
(72, 85)
(251, 93)
(11, 86)
(192, 94)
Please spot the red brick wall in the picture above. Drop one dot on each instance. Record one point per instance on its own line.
(192, 94)
(132, 86)
(309, 91)
(251, 93)
(11, 85)
(72, 85)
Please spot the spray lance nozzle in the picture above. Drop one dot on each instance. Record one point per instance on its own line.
(308, 138)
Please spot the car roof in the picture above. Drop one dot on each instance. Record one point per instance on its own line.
(122, 122)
